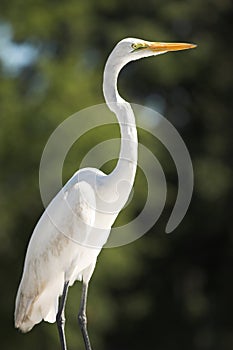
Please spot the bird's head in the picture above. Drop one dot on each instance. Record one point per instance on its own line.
(131, 49)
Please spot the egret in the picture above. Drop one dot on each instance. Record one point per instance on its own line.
(76, 224)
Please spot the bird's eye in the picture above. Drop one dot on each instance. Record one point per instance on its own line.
(138, 46)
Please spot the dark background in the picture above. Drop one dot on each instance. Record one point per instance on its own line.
(163, 291)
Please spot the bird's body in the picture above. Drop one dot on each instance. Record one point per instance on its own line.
(74, 227)
(60, 251)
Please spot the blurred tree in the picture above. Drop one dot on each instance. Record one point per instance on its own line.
(165, 292)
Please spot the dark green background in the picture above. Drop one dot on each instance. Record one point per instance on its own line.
(164, 291)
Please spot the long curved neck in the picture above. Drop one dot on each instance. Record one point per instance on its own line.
(122, 177)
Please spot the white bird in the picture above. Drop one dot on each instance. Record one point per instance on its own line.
(76, 224)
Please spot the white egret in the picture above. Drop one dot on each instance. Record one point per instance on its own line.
(71, 232)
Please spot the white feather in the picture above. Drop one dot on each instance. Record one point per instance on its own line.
(61, 249)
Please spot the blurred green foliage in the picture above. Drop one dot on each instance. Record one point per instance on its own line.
(163, 291)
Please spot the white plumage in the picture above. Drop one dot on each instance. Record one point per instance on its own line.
(64, 247)
(70, 234)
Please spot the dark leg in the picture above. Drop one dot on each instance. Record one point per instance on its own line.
(61, 316)
(82, 318)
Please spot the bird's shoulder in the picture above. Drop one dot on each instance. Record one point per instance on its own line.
(77, 199)
(89, 175)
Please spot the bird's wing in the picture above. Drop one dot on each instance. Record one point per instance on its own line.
(73, 211)
(69, 218)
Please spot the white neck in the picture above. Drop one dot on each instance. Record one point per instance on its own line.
(122, 177)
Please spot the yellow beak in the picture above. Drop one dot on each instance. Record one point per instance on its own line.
(170, 46)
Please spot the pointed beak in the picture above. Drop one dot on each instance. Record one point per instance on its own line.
(157, 46)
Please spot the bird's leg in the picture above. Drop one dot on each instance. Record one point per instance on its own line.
(82, 318)
(61, 316)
